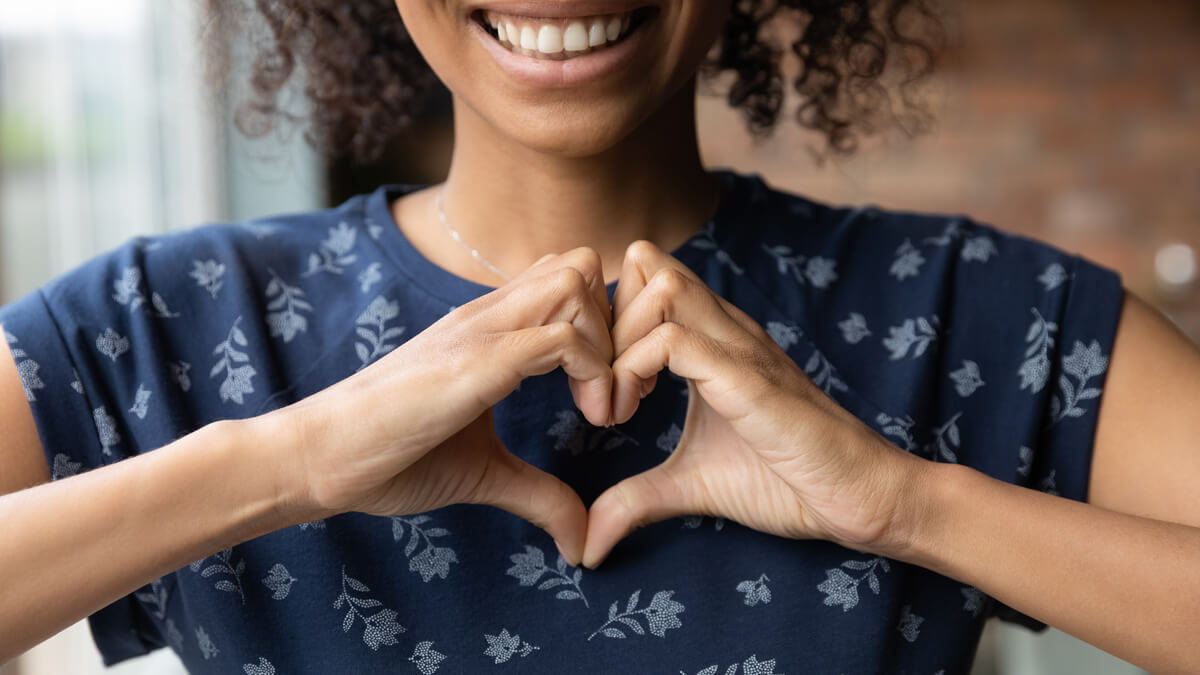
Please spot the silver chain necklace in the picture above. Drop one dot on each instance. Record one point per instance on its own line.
(457, 237)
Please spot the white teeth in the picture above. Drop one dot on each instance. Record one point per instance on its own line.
(596, 36)
(613, 30)
(511, 32)
(575, 38)
(550, 40)
(501, 34)
(528, 38)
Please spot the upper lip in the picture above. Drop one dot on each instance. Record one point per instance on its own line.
(550, 9)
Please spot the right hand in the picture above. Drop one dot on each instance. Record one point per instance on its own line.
(414, 431)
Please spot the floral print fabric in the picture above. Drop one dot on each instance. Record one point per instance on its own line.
(956, 341)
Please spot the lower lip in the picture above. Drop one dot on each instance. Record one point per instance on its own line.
(567, 73)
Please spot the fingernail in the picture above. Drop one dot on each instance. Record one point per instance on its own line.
(562, 553)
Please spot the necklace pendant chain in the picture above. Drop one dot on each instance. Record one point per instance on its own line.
(458, 237)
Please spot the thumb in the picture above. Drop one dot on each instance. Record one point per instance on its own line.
(642, 499)
(512, 484)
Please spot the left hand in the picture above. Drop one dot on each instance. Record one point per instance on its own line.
(761, 444)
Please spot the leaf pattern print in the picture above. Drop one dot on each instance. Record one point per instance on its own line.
(209, 275)
(1026, 456)
(694, 523)
(335, 252)
(285, 304)
(669, 439)
(662, 614)
(1047, 485)
(207, 649)
(279, 581)
(372, 327)
(27, 369)
(174, 637)
(179, 373)
(756, 590)
(842, 589)
(112, 344)
(426, 658)
(369, 277)
(223, 565)
(313, 525)
(784, 334)
(751, 666)
(1035, 370)
(238, 379)
(379, 628)
(706, 240)
(433, 560)
(967, 379)
(898, 427)
(818, 271)
(127, 292)
(1083, 363)
(974, 600)
(76, 383)
(530, 566)
(854, 328)
(979, 247)
(822, 373)
(106, 429)
(141, 400)
(908, 261)
(374, 229)
(572, 432)
(910, 623)
(156, 599)
(1053, 276)
(946, 439)
(906, 335)
(64, 467)
(264, 667)
(503, 647)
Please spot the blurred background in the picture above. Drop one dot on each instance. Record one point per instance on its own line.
(1076, 122)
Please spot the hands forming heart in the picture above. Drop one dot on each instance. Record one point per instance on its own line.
(761, 444)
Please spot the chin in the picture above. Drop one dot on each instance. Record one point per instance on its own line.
(571, 133)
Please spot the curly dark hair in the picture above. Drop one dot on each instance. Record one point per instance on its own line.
(367, 82)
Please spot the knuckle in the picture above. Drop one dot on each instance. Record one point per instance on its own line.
(670, 332)
(669, 282)
(641, 250)
(571, 281)
(561, 332)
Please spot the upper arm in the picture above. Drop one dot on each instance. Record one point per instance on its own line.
(22, 464)
(1146, 457)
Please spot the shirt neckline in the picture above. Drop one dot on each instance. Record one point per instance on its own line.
(455, 290)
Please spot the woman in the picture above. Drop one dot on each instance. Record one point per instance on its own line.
(300, 377)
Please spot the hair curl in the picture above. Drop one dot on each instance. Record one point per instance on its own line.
(366, 81)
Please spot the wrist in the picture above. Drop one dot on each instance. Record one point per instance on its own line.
(271, 445)
(929, 491)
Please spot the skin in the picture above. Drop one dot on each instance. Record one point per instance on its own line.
(761, 445)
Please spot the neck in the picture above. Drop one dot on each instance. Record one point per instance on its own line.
(515, 204)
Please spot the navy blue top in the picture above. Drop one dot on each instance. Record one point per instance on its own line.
(956, 341)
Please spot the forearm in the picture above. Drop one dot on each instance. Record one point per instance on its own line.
(1126, 584)
(75, 545)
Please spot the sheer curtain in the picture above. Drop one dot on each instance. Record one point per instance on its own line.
(107, 131)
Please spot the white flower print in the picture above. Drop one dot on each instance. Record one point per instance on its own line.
(945, 440)
(528, 568)
(426, 658)
(694, 522)
(335, 252)
(126, 292)
(1026, 455)
(223, 565)
(818, 271)
(967, 379)
(1047, 485)
(1053, 276)
(264, 667)
(373, 228)
(207, 648)
(372, 327)
(910, 623)
(237, 379)
(369, 277)
(662, 614)
(379, 628)
(27, 369)
(141, 400)
(784, 334)
(751, 666)
(822, 373)
(974, 600)
(572, 432)
(1036, 368)
(706, 240)
(433, 560)
(854, 328)
(286, 303)
(209, 275)
(64, 467)
(756, 590)
(842, 589)
(174, 637)
(260, 230)
(900, 427)
(313, 524)
(179, 373)
(112, 344)
(668, 439)
(908, 261)
(106, 429)
(905, 336)
(503, 647)
(76, 383)
(980, 248)
(1083, 363)
(156, 599)
(279, 580)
